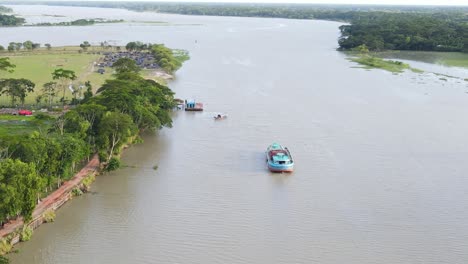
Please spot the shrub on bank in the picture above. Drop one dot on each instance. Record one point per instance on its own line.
(49, 216)
(5, 246)
(77, 192)
(26, 233)
(114, 163)
(88, 181)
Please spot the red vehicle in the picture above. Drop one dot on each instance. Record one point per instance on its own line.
(24, 112)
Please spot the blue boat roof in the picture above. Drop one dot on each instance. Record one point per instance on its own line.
(280, 157)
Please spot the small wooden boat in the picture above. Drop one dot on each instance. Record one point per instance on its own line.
(220, 116)
(279, 158)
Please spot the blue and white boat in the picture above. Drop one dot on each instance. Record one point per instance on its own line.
(279, 158)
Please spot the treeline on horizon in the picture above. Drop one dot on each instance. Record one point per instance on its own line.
(428, 28)
(9, 20)
(406, 31)
(79, 22)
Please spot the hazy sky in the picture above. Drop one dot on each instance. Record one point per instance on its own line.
(377, 2)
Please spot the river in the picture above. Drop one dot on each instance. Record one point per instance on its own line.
(381, 171)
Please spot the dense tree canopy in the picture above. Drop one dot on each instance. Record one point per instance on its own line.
(16, 89)
(10, 20)
(405, 31)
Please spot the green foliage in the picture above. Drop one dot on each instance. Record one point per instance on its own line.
(49, 216)
(113, 164)
(374, 62)
(77, 192)
(7, 20)
(114, 130)
(19, 188)
(5, 246)
(102, 154)
(85, 45)
(124, 65)
(137, 46)
(28, 45)
(79, 22)
(63, 75)
(6, 65)
(4, 260)
(26, 233)
(404, 31)
(4, 9)
(16, 88)
(138, 140)
(42, 117)
(88, 181)
(88, 93)
(104, 123)
(146, 101)
(165, 58)
(363, 49)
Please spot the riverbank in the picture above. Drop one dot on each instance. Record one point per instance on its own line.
(11, 231)
(68, 146)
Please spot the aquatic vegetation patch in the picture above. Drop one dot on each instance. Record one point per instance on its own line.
(370, 62)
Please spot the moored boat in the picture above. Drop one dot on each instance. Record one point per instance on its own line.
(279, 158)
(193, 106)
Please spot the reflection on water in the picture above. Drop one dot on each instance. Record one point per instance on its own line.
(380, 158)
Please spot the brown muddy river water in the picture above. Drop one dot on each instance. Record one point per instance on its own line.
(381, 159)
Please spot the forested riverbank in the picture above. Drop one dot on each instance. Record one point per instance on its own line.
(60, 141)
(378, 27)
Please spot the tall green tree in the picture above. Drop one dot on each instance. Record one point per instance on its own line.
(124, 65)
(88, 93)
(17, 88)
(49, 90)
(114, 130)
(85, 45)
(28, 45)
(20, 181)
(63, 76)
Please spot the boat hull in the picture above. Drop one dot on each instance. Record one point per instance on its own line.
(280, 167)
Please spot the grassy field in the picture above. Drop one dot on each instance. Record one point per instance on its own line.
(38, 66)
(20, 125)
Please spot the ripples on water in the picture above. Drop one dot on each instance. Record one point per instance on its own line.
(380, 158)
